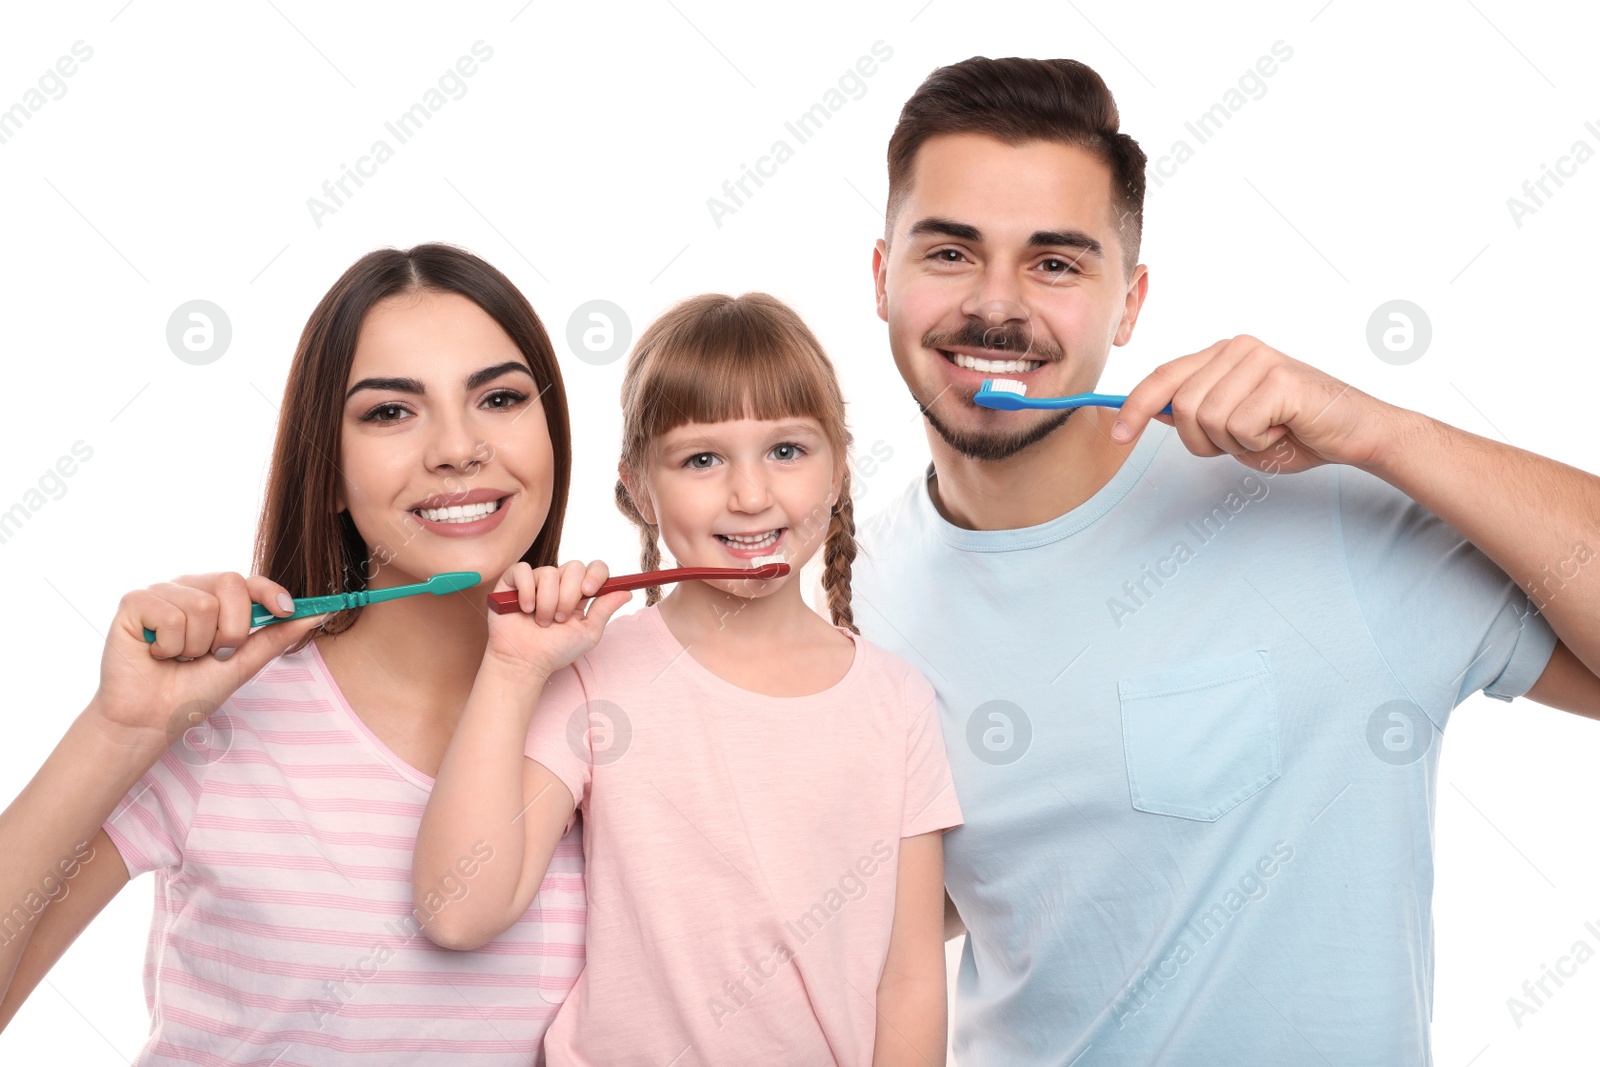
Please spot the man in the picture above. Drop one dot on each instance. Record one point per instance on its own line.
(1192, 703)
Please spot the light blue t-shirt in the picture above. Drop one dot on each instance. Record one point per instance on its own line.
(1194, 725)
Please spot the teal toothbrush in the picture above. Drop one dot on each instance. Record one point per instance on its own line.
(438, 585)
(1003, 394)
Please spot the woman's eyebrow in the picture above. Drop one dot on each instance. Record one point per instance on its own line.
(411, 385)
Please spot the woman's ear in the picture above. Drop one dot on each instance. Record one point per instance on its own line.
(641, 501)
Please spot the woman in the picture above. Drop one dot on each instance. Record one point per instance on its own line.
(423, 430)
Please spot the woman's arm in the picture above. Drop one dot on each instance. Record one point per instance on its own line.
(490, 798)
(46, 834)
(97, 877)
(911, 992)
(148, 697)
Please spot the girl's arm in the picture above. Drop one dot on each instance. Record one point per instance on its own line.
(492, 801)
(494, 817)
(911, 992)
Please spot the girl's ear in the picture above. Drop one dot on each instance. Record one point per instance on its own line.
(641, 501)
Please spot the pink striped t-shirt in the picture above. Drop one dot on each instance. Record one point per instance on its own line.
(281, 834)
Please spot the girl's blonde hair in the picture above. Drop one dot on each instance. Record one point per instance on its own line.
(716, 358)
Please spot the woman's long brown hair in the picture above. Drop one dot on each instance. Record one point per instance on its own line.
(302, 542)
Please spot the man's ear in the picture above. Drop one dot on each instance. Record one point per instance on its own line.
(1138, 286)
(641, 502)
(880, 277)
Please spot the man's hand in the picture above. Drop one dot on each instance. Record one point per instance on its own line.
(1245, 398)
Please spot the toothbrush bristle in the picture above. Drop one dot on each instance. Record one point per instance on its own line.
(1007, 385)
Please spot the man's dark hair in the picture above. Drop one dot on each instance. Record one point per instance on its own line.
(1016, 101)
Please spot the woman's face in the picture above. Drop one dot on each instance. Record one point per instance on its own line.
(445, 454)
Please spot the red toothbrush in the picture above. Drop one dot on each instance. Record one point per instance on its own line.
(505, 601)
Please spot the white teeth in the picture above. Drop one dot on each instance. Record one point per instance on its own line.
(753, 540)
(462, 513)
(995, 366)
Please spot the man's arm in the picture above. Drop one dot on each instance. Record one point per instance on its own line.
(1536, 518)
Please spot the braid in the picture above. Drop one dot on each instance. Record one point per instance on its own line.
(649, 550)
(838, 552)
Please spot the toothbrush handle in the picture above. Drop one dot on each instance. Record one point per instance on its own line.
(1110, 400)
(505, 602)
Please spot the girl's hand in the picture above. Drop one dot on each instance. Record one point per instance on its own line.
(550, 631)
(150, 694)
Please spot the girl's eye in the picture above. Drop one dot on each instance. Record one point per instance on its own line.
(374, 414)
(693, 461)
(795, 451)
(511, 396)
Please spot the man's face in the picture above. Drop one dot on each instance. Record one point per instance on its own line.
(1008, 257)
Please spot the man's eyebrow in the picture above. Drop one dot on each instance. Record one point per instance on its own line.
(411, 385)
(961, 231)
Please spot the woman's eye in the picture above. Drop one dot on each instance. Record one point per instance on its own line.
(511, 397)
(375, 415)
(693, 462)
(794, 450)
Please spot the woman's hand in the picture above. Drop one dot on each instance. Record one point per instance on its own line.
(550, 631)
(150, 694)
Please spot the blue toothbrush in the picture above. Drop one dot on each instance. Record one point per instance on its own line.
(438, 585)
(1003, 394)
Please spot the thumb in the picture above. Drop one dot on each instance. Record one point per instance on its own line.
(265, 645)
(602, 608)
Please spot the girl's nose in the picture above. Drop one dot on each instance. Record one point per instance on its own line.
(750, 493)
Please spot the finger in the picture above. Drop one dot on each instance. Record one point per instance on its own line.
(233, 613)
(602, 608)
(1223, 405)
(1155, 392)
(572, 577)
(596, 577)
(265, 591)
(547, 591)
(526, 585)
(1197, 395)
(141, 610)
(508, 580)
(200, 608)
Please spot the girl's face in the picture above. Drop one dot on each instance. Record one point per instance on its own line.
(446, 457)
(727, 494)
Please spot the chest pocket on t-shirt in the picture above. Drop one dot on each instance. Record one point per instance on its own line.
(1202, 737)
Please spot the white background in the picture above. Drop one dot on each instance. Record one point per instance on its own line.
(177, 165)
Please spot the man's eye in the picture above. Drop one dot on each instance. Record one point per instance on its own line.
(1060, 266)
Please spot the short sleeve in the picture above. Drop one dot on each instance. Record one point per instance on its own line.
(1448, 621)
(150, 824)
(562, 733)
(931, 802)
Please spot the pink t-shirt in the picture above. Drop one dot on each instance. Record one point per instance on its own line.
(281, 834)
(740, 850)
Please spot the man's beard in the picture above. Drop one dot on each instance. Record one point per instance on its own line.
(993, 447)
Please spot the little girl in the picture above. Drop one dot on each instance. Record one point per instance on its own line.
(763, 793)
